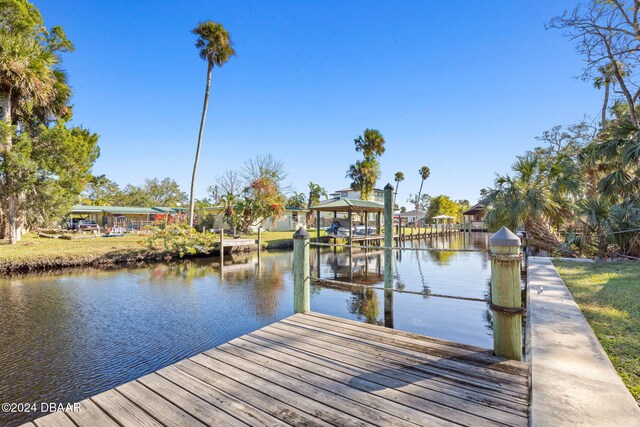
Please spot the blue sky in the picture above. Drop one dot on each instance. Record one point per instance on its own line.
(460, 86)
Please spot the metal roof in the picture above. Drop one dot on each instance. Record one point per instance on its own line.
(124, 210)
(349, 205)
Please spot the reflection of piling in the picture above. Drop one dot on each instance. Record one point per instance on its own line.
(318, 262)
(506, 298)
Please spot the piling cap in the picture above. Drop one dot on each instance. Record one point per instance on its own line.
(504, 237)
(301, 233)
(388, 187)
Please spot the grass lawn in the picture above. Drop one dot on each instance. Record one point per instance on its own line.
(280, 239)
(608, 294)
(37, 252)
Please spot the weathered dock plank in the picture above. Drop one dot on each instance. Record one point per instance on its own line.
(317, 370)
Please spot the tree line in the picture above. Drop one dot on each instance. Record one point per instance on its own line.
(44, 161)
(578, 192)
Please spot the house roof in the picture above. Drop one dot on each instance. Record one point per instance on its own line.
(349, 205)
(412, 213)
(124, 210)
(289, 209)
(351, 189)
(474, 210)
(443, 217)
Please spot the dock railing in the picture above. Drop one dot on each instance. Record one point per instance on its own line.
(505, 302)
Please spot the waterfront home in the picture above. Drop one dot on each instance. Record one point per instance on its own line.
(377, 195)
(292, 219)
(474, 218)
(130, 217)
(410, 217)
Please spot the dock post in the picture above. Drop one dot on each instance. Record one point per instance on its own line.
(301, 296)
(388, 255)
(221, 245)
(259, 238)
(350, 228)
(506, 298)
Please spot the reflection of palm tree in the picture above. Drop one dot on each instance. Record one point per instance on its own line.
(488, 317)
(425, 288)
(400, 285)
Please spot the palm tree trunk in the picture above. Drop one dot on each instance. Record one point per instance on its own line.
(418, 199)
(395, 194)
(12, 202)
(195, 164)
(605, 103)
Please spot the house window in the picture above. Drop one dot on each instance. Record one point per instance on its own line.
(344, 194)
(294, 216)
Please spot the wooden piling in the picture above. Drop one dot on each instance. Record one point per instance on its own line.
(221, 245)
(259, 238)
(506, 297)
(301, 296)
(388, 236)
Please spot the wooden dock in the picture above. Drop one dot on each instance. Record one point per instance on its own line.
(317, 370)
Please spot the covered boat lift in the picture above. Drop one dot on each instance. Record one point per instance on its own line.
(351, 206)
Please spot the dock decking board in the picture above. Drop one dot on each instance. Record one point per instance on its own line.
(318, 370)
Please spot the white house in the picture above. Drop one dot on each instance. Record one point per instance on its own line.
(377, 195)
(411, 216)
(292, 219)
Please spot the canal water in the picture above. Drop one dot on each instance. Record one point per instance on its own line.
(66, 336)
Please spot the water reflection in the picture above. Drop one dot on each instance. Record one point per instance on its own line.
(69, 335)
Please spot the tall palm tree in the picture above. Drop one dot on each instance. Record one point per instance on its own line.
(216, 48)
(425, 173)
(364, 175)
(28, 81)
(398, 178)
(604, 79)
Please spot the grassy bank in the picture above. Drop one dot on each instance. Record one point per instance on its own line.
(36, 253)
(280, 239)
(609, 296)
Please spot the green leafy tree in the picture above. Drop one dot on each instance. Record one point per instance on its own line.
(365, 173)
(134, 195)
(165, 192)
(100, 191)
(215, 47)
(443, 205)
